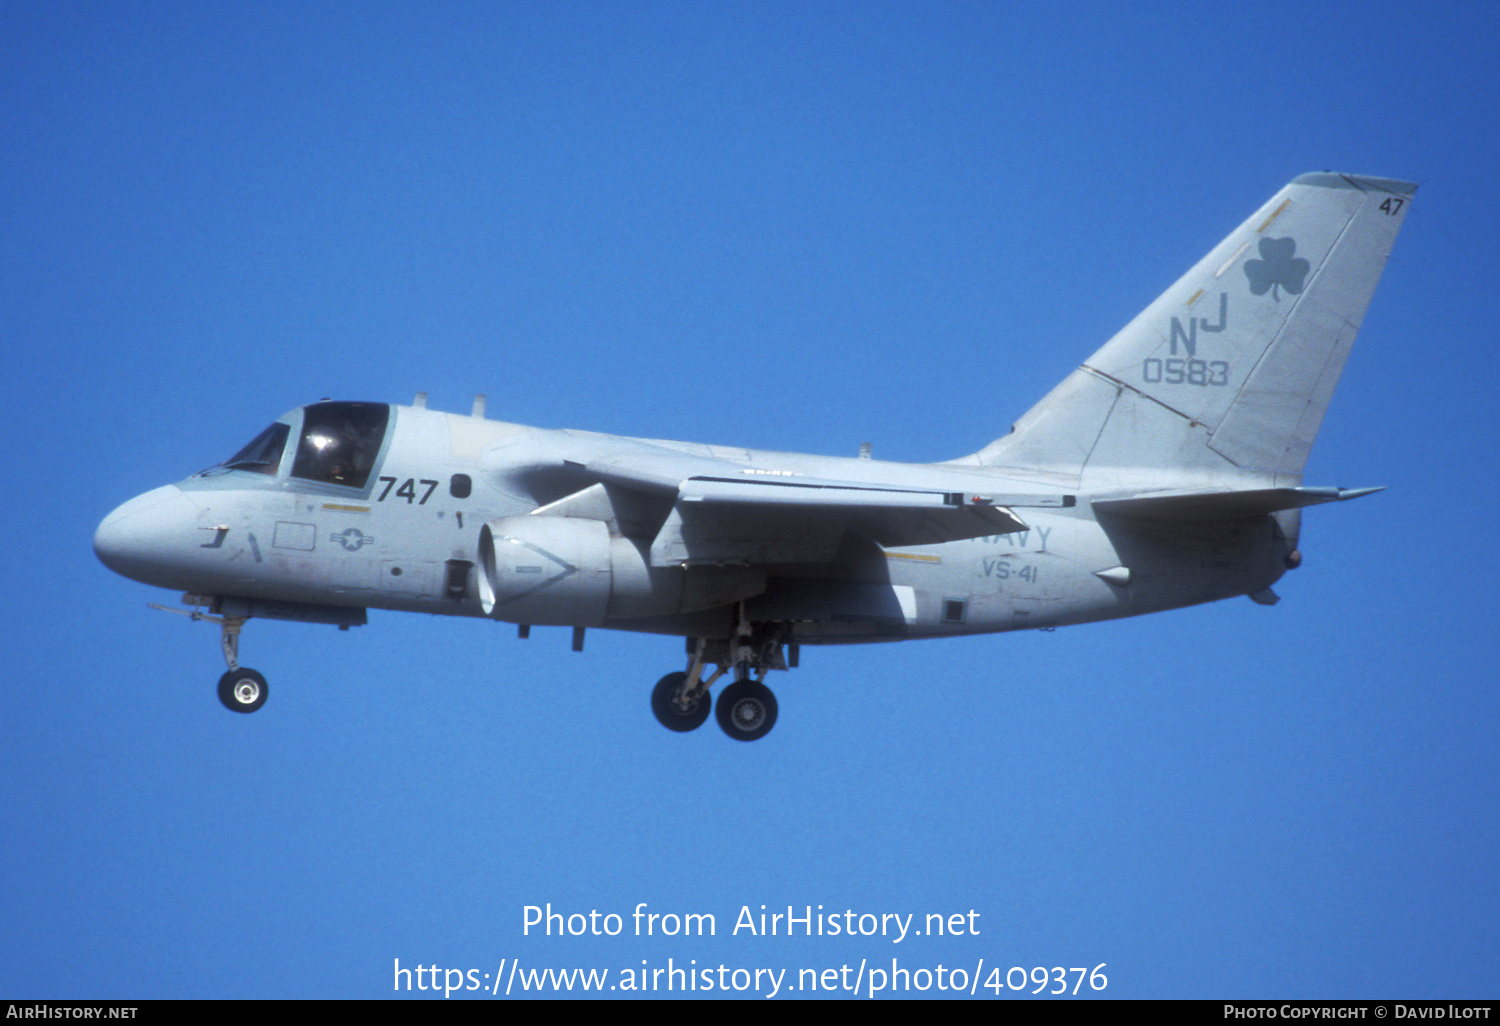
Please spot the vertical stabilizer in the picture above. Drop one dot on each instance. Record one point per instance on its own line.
(1230, 371)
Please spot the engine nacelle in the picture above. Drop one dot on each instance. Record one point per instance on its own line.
(567, 571)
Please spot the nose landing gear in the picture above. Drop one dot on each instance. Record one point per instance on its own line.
(241, 690)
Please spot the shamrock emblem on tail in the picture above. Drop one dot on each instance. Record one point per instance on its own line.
(1276, 267)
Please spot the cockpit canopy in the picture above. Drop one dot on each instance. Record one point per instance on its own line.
(338, 444)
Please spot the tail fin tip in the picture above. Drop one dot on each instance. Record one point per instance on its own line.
(1364, 183)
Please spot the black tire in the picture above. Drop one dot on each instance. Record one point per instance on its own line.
(243, 690)
(746, 710)
(668, 715)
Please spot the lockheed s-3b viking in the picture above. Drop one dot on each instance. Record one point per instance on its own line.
(1165, 471)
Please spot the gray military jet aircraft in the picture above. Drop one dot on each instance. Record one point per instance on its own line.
(1163, 472)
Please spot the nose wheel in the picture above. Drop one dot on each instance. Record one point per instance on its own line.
(243, 690)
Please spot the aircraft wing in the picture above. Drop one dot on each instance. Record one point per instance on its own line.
(726, 512)
(776, 521)
(716, 514)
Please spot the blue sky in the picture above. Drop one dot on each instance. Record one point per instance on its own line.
(786, 226)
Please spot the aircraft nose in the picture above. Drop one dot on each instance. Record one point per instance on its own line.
(134, 539)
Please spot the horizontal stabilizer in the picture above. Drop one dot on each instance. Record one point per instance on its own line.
(1224, 505)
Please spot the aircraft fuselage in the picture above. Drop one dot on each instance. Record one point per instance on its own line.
(408, 539)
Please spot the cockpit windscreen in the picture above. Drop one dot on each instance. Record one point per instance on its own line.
(263, 454)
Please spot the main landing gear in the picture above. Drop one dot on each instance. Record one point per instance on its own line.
(242, 690)
(746, 709)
